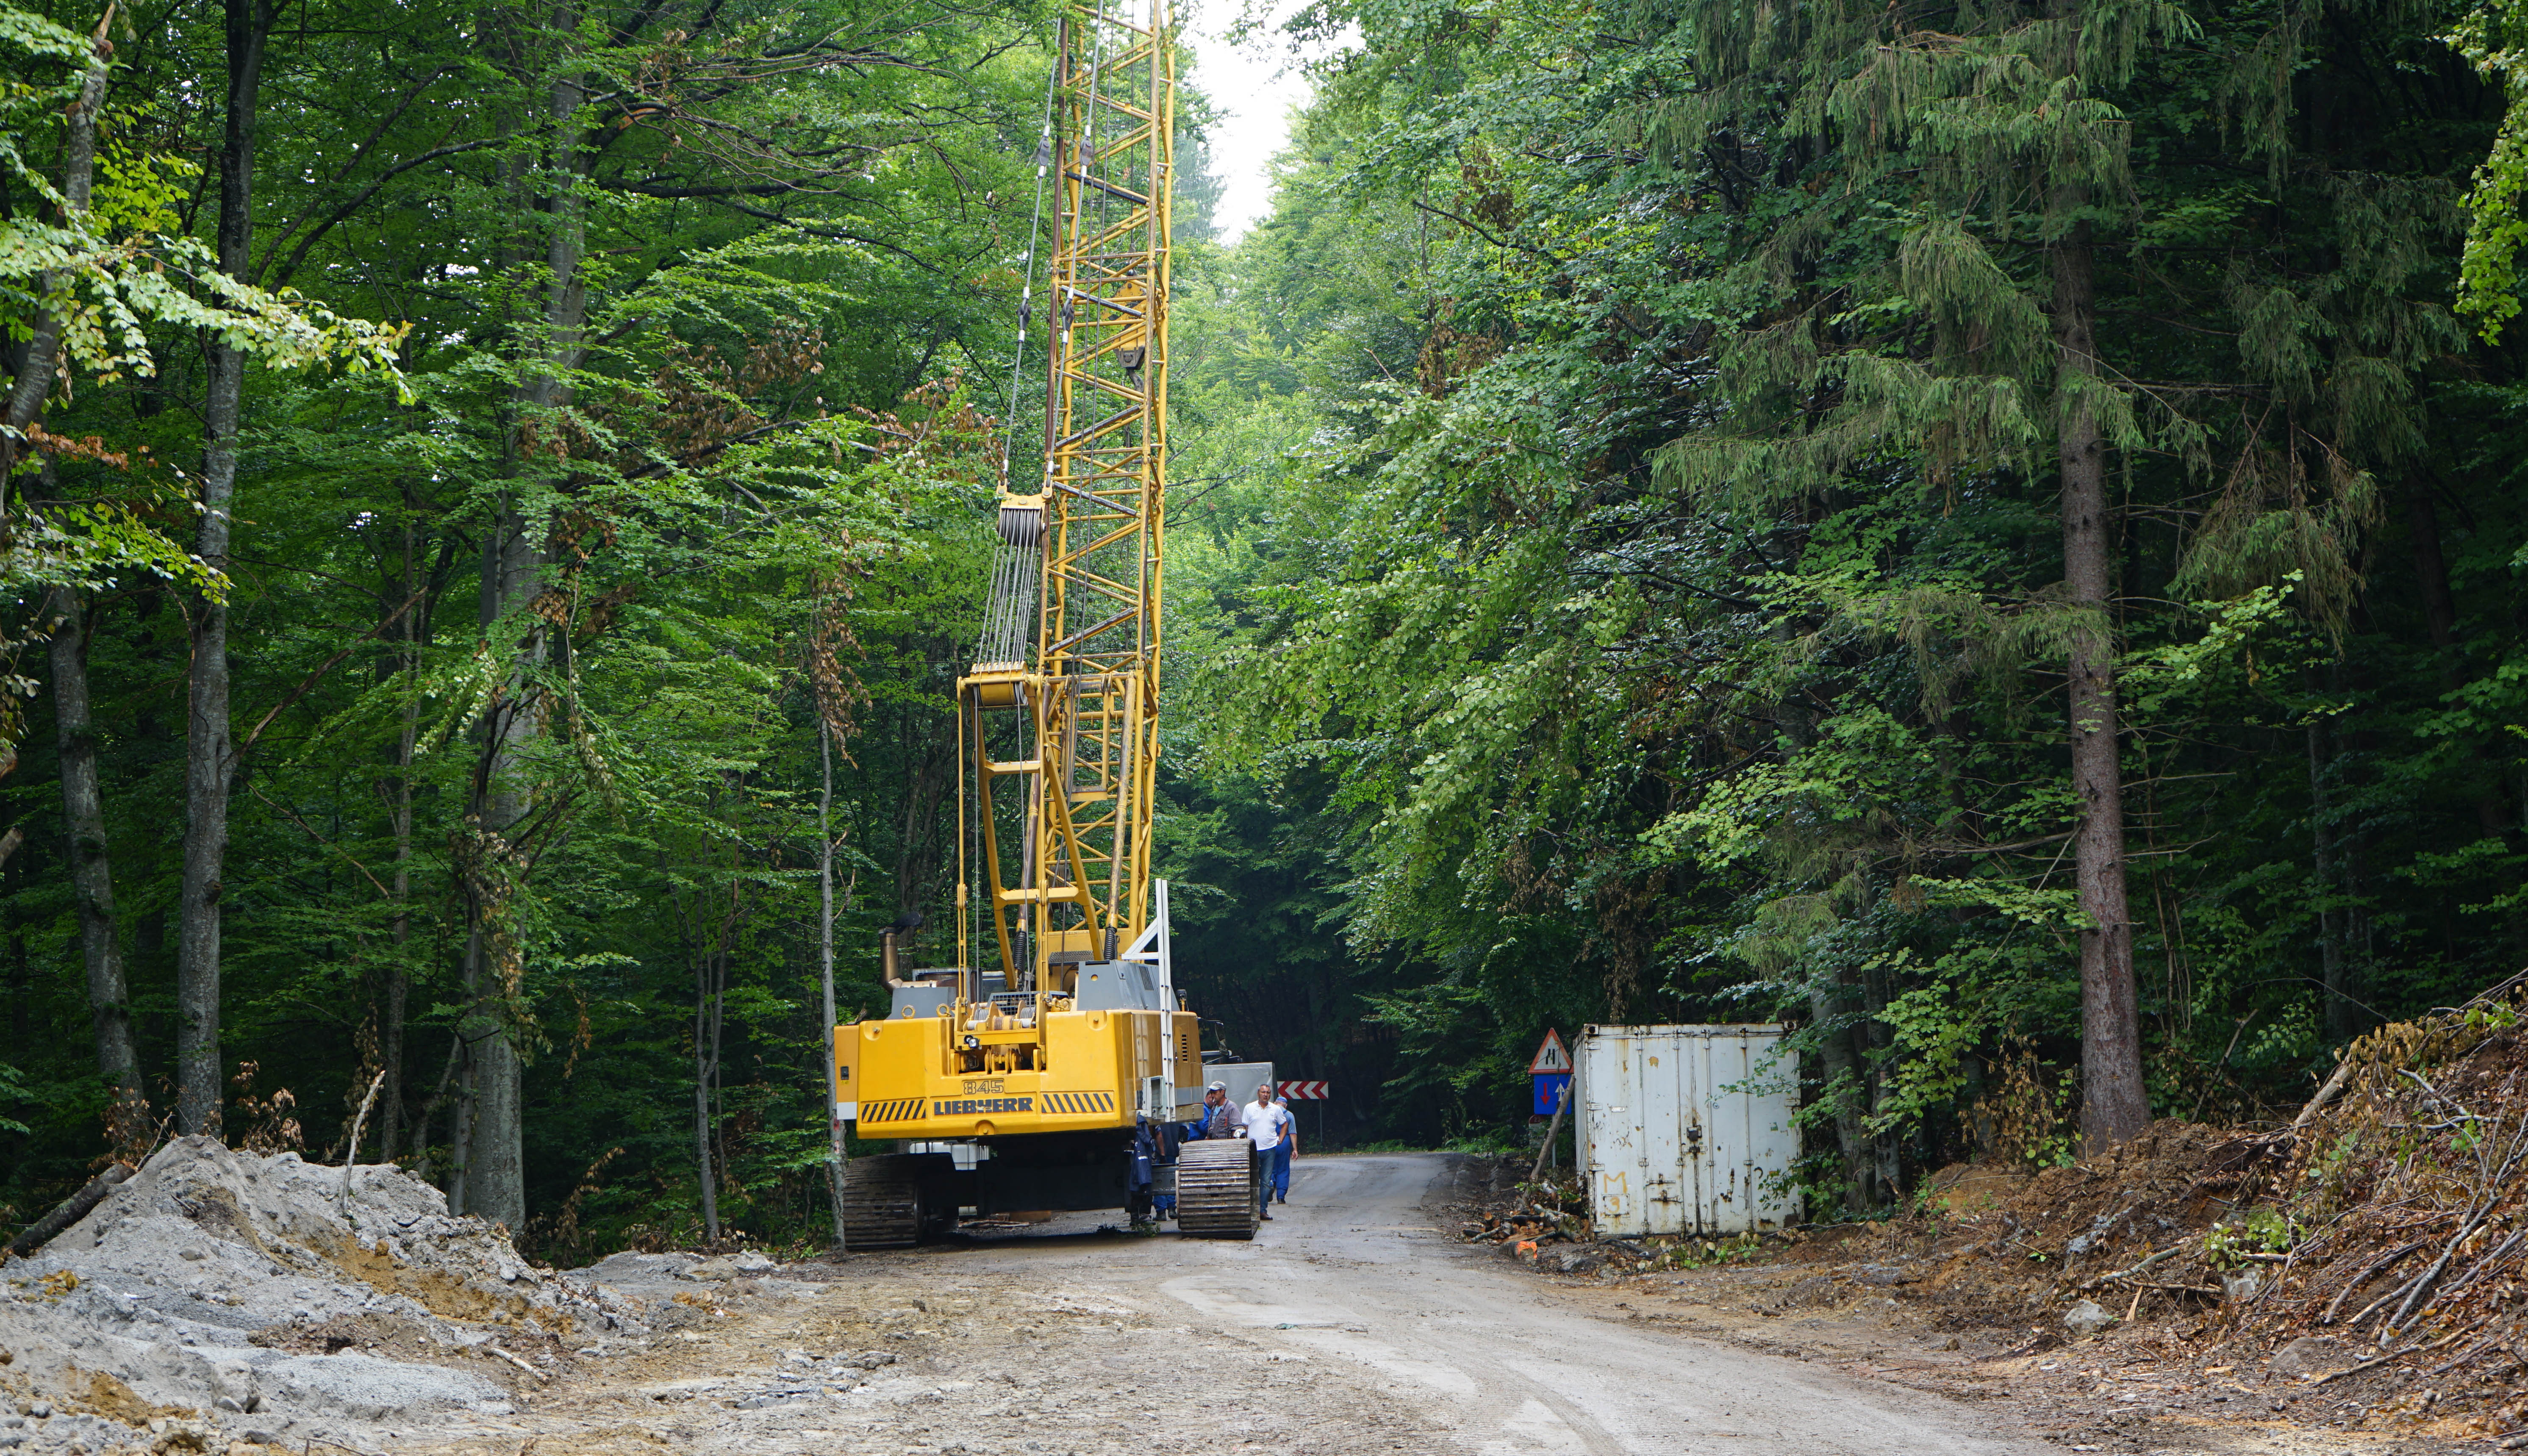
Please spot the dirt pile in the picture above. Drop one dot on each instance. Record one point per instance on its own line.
(220, 1296)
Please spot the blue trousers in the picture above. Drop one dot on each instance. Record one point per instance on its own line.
(1274, 1177)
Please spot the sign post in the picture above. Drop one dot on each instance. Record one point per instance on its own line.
(1316, 1092)
(1552, 1073)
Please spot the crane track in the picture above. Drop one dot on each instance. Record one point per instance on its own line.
(882, 1202)
(1216, 1188)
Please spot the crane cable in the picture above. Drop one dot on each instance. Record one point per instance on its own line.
(1015, 559)
(1036, 234)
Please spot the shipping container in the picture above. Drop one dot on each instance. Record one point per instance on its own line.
(1687, 1130)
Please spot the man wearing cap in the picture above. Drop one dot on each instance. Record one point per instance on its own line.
(1219, 1116)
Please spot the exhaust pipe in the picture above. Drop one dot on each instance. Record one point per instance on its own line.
(886, 959)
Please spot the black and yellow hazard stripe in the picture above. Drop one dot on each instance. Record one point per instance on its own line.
(1078, 1103)
(899, 1109)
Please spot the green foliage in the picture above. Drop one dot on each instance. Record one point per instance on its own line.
(1615, 569)
(2262, 1230)
(1660, 592)
(2487, 35)
(754, 490)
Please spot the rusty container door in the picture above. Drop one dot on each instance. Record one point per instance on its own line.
(1605, 1087)
(1686, 1130)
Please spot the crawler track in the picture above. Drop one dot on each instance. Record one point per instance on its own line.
(1216, 1188)
(882, 1202)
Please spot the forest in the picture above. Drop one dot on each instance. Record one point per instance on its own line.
(1984, 534)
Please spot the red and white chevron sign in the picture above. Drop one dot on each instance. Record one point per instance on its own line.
(1301, 1091)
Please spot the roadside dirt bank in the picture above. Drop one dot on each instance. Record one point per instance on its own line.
(2134, 1390)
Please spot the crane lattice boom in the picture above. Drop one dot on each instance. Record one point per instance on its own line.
(1060, 713)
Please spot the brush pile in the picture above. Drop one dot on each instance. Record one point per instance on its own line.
(1500, 1205)
(1545, 1223)
(1545, 1210)
(2388, 1229)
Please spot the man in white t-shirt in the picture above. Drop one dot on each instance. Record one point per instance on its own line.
(1276, 1137)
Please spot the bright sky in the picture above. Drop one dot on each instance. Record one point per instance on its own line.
(1254, 86)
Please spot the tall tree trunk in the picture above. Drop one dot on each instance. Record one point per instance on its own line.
(400, 820)
(1873, 1042)
(109, 999)
(2114, 1105)
(1842, 1073)
(512, 575)
(836, 1149)
(706, 1044)
(718, 1029)
(2332, 952)
(460, 1116)
(493, 1111)
(491, 1120)
(207, 756)
(490, 1127)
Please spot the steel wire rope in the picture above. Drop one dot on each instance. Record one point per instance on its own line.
(1036, 238)
(1003, 609)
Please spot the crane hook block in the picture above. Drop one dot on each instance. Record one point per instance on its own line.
(1022, 521)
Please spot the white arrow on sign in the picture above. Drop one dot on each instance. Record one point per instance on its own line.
(1302, 1092)
(1550, 1055)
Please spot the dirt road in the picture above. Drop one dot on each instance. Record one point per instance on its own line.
(1349, 1325)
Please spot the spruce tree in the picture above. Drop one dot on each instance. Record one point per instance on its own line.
(1980, 150)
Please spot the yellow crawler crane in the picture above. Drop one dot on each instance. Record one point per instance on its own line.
(1049, 1081)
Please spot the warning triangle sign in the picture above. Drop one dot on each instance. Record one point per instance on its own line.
(1550, 1055)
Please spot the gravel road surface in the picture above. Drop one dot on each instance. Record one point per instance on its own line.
(1496, 1363)
(1350, 1326)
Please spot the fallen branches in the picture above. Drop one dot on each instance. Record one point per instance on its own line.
(2413, 1160)
(2362, 1281)
(2161, 1257)
(73, 1209)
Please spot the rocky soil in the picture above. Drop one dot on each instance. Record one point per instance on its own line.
(219, 1297)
